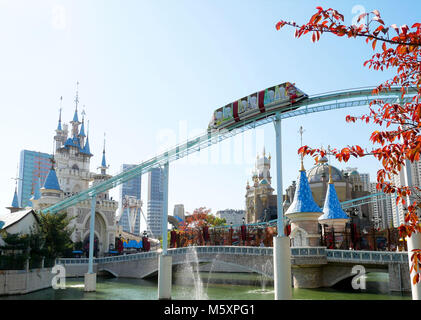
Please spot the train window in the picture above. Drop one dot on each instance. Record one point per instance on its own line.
(227, 111)
(253, 101)
(269, 95)
(242, 106)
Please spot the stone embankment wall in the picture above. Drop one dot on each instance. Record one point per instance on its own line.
(22, 281)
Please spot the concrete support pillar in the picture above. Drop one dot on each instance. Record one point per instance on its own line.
(165, 209)
(414, 242)
(90, 277)
(90, 282)
(282, 268)
(281, 244)
(164, 277)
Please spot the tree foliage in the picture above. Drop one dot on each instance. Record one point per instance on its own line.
(199, 218)
(56, 232)
(397, 140)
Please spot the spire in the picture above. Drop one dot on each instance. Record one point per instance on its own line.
(15, 202)
(37, 193)
(86, 148)
(51, 182)
(103, 163)
(82, 128)
(59, 118)
(330, 167)
(103, 166)
(301, 131)
(303, 198)
(75, 116)
(332, 208)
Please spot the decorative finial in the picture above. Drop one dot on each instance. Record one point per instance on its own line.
(330, 167)
(77, 94)
(301, 131)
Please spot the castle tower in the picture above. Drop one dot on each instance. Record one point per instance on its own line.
(303, 214)
(260, 200)
(51, 192)
(333, 215)
(71, 174)
(15, 202)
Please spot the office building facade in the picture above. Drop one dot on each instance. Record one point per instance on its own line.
(155, 203)
(33, 166)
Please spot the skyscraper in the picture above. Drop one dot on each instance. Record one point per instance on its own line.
(130, 203)
(382, 209)
(132, 187)
(33, 165)
(155, 202)
(179, 211)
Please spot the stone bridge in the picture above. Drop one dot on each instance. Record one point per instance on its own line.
(312, 267)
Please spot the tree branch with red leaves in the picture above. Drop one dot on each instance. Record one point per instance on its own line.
(398, 139)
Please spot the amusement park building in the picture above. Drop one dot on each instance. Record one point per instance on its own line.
(260, 200)
(69, 173)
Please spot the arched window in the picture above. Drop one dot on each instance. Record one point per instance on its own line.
(75, 167)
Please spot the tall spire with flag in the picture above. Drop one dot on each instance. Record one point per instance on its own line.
(75, 122)
(59, 128)
(103, 166)
(82, 134)
(15, 202)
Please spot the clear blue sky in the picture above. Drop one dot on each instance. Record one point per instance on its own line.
(149, 68)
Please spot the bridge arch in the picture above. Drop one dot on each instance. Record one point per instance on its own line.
(109, 271)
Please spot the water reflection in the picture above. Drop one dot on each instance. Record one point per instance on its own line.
(140, 289)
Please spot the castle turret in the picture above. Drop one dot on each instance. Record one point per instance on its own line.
(333, 215)
(15, 203)
(303, 214)
(51, 192)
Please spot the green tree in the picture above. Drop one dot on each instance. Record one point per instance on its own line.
(56, 233)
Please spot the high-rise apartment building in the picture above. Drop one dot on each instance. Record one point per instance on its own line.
(33, 166)
(382, 209)
(179, 211)
(155, 202)
(231, 216)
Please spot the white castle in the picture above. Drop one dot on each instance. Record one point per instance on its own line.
(69, 174)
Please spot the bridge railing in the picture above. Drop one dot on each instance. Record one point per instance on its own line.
(236, 250)
(357, 256)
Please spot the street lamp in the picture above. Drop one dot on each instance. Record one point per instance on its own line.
(244, 220)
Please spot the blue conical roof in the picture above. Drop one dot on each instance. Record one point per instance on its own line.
(51, 182)
(103, 163)
(75, 117)
(303, 198)
(82, 129)
(37, 192)
(59, 126)
(15, 202)
(86, 148)
(332, 208)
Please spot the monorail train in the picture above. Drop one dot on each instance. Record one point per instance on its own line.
(264, 102)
